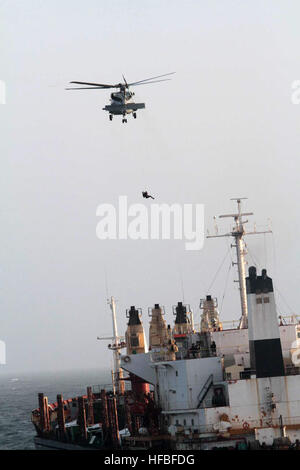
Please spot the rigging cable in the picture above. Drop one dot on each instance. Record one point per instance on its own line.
(275, 269)
(182, 285)
(266, 253)
(106, 283)
(258, 265)
(274, 254)
(225, 288)
(255, 261)
(218, 270)
(284, 300)
(277, 291)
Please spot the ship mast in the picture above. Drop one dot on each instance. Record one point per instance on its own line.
(118, 343)
(238, 232)
(116, 338)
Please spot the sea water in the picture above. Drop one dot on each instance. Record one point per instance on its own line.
(19, 396)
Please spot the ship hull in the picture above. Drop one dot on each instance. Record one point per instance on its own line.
(48, 444)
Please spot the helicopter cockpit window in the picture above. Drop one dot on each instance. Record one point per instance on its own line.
(116, 97)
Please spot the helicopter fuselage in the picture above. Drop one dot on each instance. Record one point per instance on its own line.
(119, 100)
(121, 103)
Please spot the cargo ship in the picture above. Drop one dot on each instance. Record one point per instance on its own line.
(233, 385)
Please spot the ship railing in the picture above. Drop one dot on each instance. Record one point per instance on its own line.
(269, 422)
(289, 421)
(230, 324)
(234, 324)
(233, 349)
(284, 319)
(244, 349)
(265, 422)
(290, 319)
(247, 373)
(292, 370)
(96, 389)
(224, 325)
(158, 356)
(221, 351)
(203, 429)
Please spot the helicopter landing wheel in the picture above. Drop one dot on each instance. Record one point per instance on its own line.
(134, 115)
(110, 117)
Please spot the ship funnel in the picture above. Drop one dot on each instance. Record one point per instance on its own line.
(134, 316)
(158, 332)
(182, 321)
(180, 312)
(210, 316)
(135, 335)
(135, 342)
(264, 339)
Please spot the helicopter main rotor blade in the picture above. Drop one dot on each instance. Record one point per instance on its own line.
(155, 81)
(126, 84)
(103, 85)
(152, 78)
(88, 88)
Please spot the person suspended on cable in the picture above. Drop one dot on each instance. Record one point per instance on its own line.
(146, 195)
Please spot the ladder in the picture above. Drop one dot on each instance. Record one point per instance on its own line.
(204, 390)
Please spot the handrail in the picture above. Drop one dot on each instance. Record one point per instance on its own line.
(233, 324)
(253, 423)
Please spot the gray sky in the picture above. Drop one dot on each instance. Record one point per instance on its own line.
(223, 127)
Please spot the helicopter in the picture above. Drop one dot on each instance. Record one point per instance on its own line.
(121, 102)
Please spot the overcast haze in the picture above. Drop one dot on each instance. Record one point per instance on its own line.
(223, 127)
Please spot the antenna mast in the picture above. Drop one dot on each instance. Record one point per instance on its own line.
(238, 232)
(118, 343)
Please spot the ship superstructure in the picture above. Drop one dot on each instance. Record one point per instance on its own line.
(195, 387)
